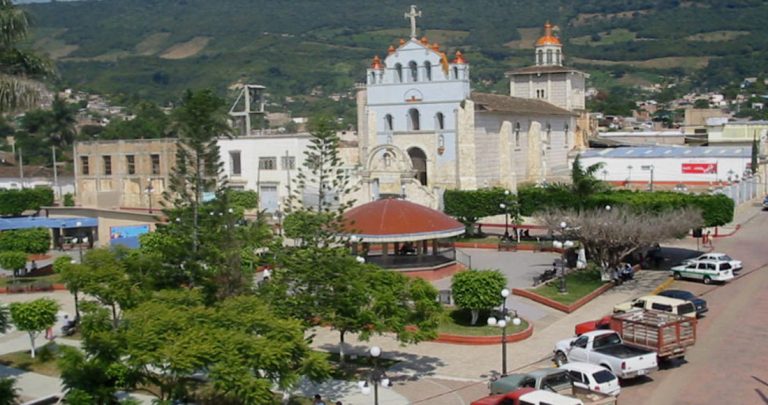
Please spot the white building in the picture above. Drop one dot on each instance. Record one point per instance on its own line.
(423, 130)
(692, 166)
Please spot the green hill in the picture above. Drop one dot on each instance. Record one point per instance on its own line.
(157, 48)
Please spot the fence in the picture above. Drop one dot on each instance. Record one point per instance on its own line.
(744, 190)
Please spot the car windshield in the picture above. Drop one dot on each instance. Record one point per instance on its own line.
(683, 295)
(558, 380)
(603, 376)
(606, 340)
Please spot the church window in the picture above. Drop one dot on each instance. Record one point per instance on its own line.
(414, 68)
(399, 72)
(549, 57)
(557, 57)
(413, 118)
(387, 159)
(455, 73)
(388, 122)
(373, 77)
(517, 134)
(440, 120)
(549, 136)
(567, 140)
(419, 162)
(540, 57)
(428, 70)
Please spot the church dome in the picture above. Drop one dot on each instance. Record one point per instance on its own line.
(377, 63)
(392, 220)
(548, 38)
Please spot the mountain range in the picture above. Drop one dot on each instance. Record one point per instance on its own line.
(306, 50)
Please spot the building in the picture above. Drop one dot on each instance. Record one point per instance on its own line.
(696, 119)
(33, 176)
(423, 130)
(123, 173)
(739, 133)
(667, 167)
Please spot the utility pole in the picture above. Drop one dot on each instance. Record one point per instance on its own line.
(55, 172)
(21, 169)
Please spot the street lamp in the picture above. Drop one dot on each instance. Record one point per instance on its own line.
(376, 377)
(80, 239)
(279, 215)
(503, 318)
(506, 206)
(150, 189)
(565, 244)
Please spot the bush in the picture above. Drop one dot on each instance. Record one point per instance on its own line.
(470, 205)
(69, 200)
(13, 260)
(477, 290)
(245, 199)
(14, 202)
(33, 240)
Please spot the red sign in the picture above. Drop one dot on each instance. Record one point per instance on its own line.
(700, 168)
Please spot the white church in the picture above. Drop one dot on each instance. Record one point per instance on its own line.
(422, 130)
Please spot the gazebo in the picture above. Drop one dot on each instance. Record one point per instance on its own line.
(397, 234)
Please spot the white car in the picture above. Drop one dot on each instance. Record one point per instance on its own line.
(593, 378)
(707, 270)
(720, 257)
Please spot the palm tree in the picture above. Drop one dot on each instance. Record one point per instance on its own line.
(61, 123)
(18, 67)
(583, 181)
(5, 318)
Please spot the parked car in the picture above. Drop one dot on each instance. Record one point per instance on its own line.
(706, 270)
(551, 379)
(736, 265)
(530, 396)
(700, 304)
(606, 349)
(658, 303)
(592, 378)
(765, 202)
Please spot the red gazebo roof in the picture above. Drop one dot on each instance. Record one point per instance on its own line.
(393, 220)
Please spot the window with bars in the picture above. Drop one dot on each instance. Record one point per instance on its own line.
(130, 162)
(288, 162)
(84, 166)
(234, 157)
(268, 163)
(107, 165)
(155, 164)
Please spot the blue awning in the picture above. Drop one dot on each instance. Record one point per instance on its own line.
(7, 224)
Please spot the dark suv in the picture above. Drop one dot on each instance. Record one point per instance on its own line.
(765, 202)
(700, 304)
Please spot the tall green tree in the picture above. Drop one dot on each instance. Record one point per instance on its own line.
(60, 127)
(74, 276)
(584, 182)
(321, 186)
(18, 67)
(105, 278)
(149, 122)
(478, 290)
(13, 261)
(754, 163)
(34, 317)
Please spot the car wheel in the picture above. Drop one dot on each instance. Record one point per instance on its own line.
(707, 280)
(677, 276)
(560, 358)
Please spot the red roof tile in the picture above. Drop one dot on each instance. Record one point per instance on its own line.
(399, 220)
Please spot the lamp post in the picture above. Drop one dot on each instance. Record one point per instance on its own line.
(506, 205)
(376, 377)
(80, 239)
(501, 322)
(150, 189)
(279, 215)
(649, 167)
(565, 244)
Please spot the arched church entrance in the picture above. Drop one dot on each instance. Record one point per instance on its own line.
(419, 162)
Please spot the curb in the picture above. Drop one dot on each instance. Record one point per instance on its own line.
(483, 340)
(663, 286)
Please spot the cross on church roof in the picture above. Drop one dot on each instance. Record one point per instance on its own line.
(411, 15)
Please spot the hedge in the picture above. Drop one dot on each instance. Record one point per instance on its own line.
(469, 205)
(716, 209)
(33, 240)
(15, 202)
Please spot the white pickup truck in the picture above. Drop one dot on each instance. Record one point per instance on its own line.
(606, 349)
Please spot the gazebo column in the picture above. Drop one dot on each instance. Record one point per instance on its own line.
(434, 247)
(385, 249)
(354, 248)
(424, 247)
(396, 249)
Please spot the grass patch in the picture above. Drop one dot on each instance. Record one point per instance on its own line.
(485, 239)
(53, 278)
(44, 363)
(457, 322)
(578, 283)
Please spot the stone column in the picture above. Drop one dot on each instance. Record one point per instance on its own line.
(534, 164)
(465, 134)
(507, 178)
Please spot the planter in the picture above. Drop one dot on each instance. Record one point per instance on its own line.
(560, 306)
(483, 340)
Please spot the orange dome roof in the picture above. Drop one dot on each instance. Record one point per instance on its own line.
(376, 63)
(548, 38)
(393, 220)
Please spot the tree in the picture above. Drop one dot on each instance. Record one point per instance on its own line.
(609, 235)
(149, 122)
(14, 202)
(105, 278)
(241, 346)
(244, 199)
(60, 126)
(74, 276)
(34, 317)
(32, 240)
(17, 66)
(13, 261)
(5, 318)
(583, 181)
(753, 166)
(322, 185)
(9, 394)
(477, 290)
(328, 286)
(470, 205)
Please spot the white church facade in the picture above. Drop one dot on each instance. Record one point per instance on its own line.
(422, 130)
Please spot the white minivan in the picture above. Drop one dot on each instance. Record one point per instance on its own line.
(592, 377)
(658, 303)
(706, 270)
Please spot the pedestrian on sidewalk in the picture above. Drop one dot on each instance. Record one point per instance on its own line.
(318, 400)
